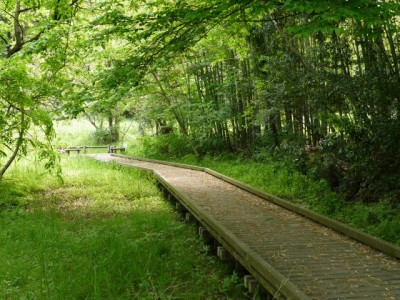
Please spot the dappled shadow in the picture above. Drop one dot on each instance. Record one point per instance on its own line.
(12, 195)
(70, 205)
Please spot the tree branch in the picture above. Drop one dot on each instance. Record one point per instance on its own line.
(74, 2)
(15, 49)
(4, 39)
(22, 10)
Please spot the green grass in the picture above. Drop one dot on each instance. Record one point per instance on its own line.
(105, 233)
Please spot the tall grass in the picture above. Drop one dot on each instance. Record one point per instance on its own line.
(72, 133)
(105, 233)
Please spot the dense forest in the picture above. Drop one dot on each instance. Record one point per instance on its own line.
(313, 82)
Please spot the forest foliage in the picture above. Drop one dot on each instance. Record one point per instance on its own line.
(315, 82)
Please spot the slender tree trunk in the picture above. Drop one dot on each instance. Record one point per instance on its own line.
(92, 121)
(18, 145)
(177, 116)
(393, 51)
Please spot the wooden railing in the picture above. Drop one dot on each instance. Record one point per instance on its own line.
(84, 149)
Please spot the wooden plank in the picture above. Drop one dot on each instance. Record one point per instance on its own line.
(363, 237)
(248, 258)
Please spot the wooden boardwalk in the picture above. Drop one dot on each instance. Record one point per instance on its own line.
(290, 255)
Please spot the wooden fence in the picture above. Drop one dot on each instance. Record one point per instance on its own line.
(84, 149)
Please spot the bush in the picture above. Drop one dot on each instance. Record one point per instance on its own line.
(106, 135)
(163, 146)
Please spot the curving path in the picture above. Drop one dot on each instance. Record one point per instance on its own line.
(304, 260)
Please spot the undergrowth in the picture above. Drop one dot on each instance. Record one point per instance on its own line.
(105, 233)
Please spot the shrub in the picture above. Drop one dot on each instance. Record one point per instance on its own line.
(106, 135)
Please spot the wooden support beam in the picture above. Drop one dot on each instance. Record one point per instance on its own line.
(69, 150)
(180, 207)
(116, 149)
(251, 284)
(239, 268)
(205, 234)
(223, 254)
(189, 217)
(246, 279)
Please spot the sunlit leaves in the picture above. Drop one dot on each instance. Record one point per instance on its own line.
(330, 16)
(34, 38)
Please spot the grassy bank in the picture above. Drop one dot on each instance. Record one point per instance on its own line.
(105, 233)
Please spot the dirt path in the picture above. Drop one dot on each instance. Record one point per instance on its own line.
(319, 261)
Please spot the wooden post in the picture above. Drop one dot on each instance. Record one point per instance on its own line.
(189, 217)
(223, 254)
(253, 286)
(250, 283)
(204, 233)
(247, 279)
(84, 149)
(109, 149)
(180, 207)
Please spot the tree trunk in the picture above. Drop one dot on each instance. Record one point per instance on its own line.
(17, 146)
(176, 114)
